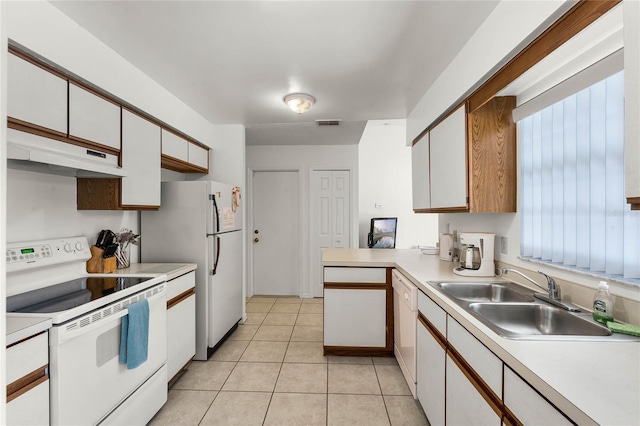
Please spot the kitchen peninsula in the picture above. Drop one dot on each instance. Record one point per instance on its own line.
(590, 382)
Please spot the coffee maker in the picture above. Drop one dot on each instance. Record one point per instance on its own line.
(476, 255)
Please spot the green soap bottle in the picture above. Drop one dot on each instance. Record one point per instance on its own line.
(603, 304)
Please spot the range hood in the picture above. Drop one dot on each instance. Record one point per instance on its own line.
(36, 153)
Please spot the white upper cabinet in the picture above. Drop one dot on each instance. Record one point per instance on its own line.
(175, 146)
(36, 96)
(448, 165)
(420, 173)
(181, 155)
(93, 118)
(141, 160)
(198, 156)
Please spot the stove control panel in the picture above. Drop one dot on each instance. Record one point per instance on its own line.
(34, 254)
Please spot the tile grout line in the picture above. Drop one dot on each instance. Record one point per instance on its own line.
(384, 402)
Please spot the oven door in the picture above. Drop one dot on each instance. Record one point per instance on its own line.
(87, 380)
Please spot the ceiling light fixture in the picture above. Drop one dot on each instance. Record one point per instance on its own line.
(299, 102)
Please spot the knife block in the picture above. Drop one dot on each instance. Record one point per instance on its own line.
(99, 265)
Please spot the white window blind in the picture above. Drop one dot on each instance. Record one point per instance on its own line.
(574, 211)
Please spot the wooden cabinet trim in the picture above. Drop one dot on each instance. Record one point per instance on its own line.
(442, 341)
(181, 297)
(568, 25)
(34, 129)
(355, 286)
(357, 351)
(26, 383)
(635, 202)
(177, 165)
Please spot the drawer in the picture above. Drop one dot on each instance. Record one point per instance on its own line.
(481, 359)
(181, 284)
(434, 313)
(27, 356)
(355, 275)
(30, 408)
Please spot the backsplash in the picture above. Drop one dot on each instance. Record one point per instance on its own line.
(41, 205)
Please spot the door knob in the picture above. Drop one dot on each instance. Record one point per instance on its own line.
(256, 239)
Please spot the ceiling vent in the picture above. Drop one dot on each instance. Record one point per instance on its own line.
(328, 122)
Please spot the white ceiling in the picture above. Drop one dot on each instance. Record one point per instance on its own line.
(234, 61)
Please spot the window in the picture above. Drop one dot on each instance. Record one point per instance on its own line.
(574, 212)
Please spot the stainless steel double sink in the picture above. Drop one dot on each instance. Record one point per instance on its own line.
(512, 311)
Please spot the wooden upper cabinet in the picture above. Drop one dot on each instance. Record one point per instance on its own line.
(471, 162)
(36, 98)
(93, 119)
(492, 157)
(182, 155)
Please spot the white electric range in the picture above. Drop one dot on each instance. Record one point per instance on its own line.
(88, 385)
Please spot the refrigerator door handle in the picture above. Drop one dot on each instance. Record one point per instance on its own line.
(216, 213)
(215, 262)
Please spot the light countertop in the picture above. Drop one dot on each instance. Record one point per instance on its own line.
(592, 382)
(19, 328)
(171, 270)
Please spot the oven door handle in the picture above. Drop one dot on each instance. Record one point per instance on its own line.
(61, 334)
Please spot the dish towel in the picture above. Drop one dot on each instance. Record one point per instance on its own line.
(134, 336)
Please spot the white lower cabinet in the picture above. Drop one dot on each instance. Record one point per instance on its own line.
(27, 380)
(482, 360)
(430, 374)
(181, 323)
(30, 408)
(355, 317)
(527, 404)
(465, 405)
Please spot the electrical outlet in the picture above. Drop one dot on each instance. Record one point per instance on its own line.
(455, 236)
(504, 243)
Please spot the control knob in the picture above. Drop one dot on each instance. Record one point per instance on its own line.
(67, 247)
(79, 245)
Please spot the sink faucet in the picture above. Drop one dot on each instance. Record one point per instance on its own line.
(553, 289)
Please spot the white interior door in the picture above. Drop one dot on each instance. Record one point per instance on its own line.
(275, 233)
(330, 218)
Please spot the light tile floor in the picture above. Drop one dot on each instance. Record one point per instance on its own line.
(272, 371)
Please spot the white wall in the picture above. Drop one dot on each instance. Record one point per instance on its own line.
(384, 163)
(305, 159)
(41, 206)
(509, 28)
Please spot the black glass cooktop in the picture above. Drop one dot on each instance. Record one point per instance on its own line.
(67, 295)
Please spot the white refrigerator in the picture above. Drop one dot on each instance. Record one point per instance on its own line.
(201, 222)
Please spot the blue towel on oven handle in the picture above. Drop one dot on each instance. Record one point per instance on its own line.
(134, 335)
